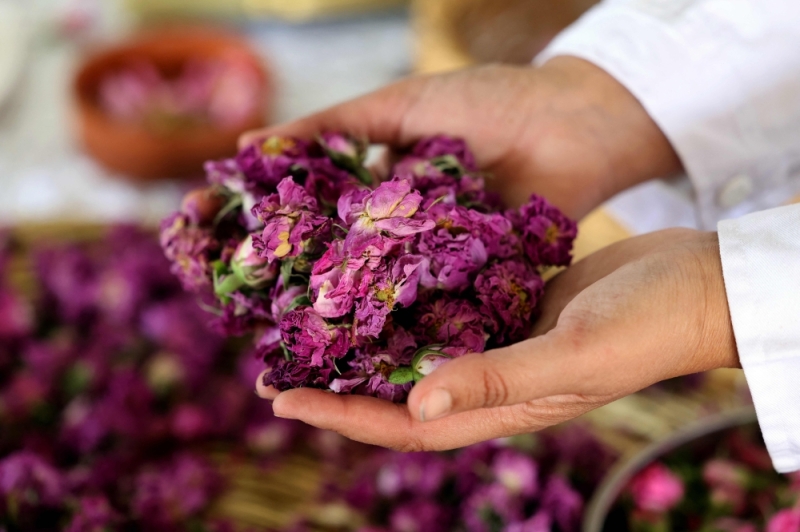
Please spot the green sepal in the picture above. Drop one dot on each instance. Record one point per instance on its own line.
(230, 283)
(286, 272)
(286, 353)
(299, 301)
(402, 375)
(234, 203)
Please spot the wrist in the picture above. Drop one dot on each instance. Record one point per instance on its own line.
(616, 132)
(718, 339)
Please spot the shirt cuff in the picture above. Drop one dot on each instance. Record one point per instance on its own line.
(760, 262)
(705, 74)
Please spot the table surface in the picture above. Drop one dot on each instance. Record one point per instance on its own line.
(45, 175)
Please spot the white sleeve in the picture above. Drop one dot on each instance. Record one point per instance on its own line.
(721, 78)
(761, 264)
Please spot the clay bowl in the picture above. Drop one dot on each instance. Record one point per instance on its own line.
(137, 152)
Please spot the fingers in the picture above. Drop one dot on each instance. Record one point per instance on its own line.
(377, 116)
(378, 422)
(569, 283)
(536, 368)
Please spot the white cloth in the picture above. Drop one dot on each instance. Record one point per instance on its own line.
(721, 78)
(761, 262)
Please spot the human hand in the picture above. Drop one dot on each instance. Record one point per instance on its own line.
(635, 313)
(567, 131)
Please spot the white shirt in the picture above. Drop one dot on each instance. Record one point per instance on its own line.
(721, 78)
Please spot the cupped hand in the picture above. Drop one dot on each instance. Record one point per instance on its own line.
(635, 313)
(567, 131)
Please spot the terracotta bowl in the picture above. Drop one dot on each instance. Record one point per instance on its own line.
(137, 152)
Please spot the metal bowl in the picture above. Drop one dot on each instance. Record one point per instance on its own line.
(611, 488)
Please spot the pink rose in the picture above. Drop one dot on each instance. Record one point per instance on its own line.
(785, 521)
(656, 489)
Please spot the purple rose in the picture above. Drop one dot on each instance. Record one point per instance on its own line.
(540, 522)
(420, 475)
(389, 210)
(285, 298)
(189, 249)
(93, 514)
(379, 386)
(29, 482)
(336, 282)
(243, 313)
(516, 471)
(344, 150)
(656, 489)
(16, 316)
(547, 235)
(491, 507)
(311, 339)
(175, 491)
(420, 516)
(563, 503)
(453, 322)
(461, 244)
(444, 146)
(509, 292)
(290, 218)
(226, 173)
(287, 374)
(272, 160)
(392, 287)
(190, 422)
(69, 280)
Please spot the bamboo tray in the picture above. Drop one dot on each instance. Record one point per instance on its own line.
(274, 497)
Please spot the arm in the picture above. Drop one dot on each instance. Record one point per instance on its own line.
(721, 81)
(567, 130)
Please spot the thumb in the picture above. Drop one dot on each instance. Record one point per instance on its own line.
(547, 365)
(377, 116)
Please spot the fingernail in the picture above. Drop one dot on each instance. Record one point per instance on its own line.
(436, 404)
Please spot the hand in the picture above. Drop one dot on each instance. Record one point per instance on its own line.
(567, 130)
(635, 313)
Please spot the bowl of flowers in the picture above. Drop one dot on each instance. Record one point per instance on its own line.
(161, 103)
(714, 475)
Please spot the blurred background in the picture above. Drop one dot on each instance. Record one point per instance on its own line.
(314, 53)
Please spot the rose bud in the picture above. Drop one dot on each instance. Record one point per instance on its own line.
(425, 361)
(347, 152)
(251, 269)
(337, 145)
(202, 205)
(429, 361)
